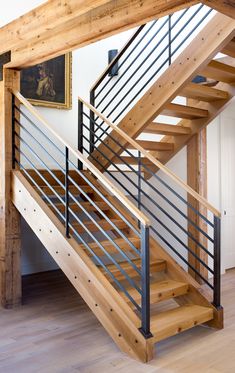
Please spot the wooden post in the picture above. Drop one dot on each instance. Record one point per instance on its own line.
(10, 238)
(197, 179)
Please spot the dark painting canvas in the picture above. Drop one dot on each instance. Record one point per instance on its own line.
(49, 83)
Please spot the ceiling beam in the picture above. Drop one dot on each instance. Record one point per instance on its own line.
(96, 24)
(42, 19)
(223, 6)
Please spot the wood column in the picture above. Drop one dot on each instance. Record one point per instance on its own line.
(197, 179)
(10, 236)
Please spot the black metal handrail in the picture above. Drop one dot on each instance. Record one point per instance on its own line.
(38, 151)
(149, 52)
(160, 200)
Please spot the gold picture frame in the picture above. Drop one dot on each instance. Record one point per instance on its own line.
(49, 84)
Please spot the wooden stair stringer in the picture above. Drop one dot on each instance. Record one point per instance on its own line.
(106, 303)
(213, 38)
(197, 295)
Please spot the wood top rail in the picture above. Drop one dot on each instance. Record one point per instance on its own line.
(103, 179)
(155, 162)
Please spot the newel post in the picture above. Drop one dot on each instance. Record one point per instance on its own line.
(10, 236)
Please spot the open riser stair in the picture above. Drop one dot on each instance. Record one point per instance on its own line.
(112, 215)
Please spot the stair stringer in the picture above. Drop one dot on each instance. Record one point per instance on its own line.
(111, 310)
(196, 295)
(211, 40)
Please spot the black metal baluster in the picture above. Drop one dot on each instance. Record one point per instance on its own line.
(67, 192)
(13, 132)
(92, 118)
(145, 282)
(80, 131)
(169, 38)
(217, 262)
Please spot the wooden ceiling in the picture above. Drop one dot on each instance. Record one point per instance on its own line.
(59, 26)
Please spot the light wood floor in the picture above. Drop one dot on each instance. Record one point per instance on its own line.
(54, 331)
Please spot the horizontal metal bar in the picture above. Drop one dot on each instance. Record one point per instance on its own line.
(40, 175)
(41, 146)
(128, 278)
(155, 73)
(164, 226)
(121, 287)
(117, 58)
(150, 185)
(101, 229)
(132, 62)
(87, 230)
(38, 187)
(39, 130)
(181, 257)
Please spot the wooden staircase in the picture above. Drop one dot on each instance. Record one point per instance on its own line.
(184, 306)
(101, 235)
(203, 103)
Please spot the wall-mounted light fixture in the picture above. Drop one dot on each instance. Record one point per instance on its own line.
(111, 55)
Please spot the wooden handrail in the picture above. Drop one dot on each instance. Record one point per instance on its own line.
(101, 177)
(114, 61)
(155, 161)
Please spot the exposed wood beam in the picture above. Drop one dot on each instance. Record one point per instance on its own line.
(223, 6)
(197, 179)
(10, 243)
(98, 23)
(42, 19)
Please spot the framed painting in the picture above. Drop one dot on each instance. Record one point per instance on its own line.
(49, 83)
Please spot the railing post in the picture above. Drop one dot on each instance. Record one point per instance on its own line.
(67, 192)
(92, 120)
(145, 282)
(169, 38)
(217, 263)
(13, 132)
(80, 131)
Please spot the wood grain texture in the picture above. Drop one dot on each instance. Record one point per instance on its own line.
(10, 235)
(197, 179)
(75, 30)
(223, 6)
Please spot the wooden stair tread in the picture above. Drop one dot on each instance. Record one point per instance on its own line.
(203, 93)
(168, 323)
(103, 223)
(229, 50)
(155, 266)
(220, 72)
(109, 246)
(86, 205)
(160, 291)
(61, 191)
(166, 129)
(154, 145)
(131, 160)
(184, 112)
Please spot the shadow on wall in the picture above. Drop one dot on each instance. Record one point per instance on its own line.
(35, 257)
